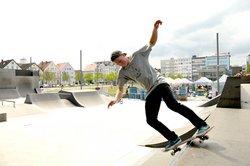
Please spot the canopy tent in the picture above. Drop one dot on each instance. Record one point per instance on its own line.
(169, 80)
(181, 81)
(186, 81)
(222, 81)
(223, 78)
(203, 81)
(176, 81)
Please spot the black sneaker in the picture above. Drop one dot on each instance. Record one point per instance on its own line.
(173, 143)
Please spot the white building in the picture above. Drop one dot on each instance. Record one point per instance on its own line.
(196, 67)
(49, 66)
(9, 64)
(180, 66)
(198, 64)
(30, 66)
(66, 68)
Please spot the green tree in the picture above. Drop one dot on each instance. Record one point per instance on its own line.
(179, 76)
(88, 77)
(48, 76)
(98, 76)
(248, 69)
(65, 76)
(171, 76)
(77, 76)
(111, 77)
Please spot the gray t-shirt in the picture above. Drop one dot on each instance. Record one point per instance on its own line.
(141, 71)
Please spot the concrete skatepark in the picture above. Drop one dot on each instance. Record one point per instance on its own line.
(72, 128)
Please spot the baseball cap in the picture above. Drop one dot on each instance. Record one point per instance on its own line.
(116, 54)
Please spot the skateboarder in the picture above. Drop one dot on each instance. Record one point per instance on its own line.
(137, 68)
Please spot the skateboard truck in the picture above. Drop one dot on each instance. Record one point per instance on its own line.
(201, 141)
(176, 149)
(201, 138)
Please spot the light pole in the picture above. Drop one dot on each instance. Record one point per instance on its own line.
(218, 65)
(81, 69)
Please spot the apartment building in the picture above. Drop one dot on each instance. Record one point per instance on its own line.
(66, 70)
(198, 64)
(195, 67)
(51, 67)
(105, 67)
(9, 64)
(210, 71)
(30, 66)
(180, 66)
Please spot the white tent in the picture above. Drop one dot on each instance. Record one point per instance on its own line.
(203, 81)
(223, 78)
(186, 81)
(169, 80)
(181, 81)
(222, 81)
(177, 81)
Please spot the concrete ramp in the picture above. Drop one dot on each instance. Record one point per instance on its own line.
(82, 98)
(17, 83)
(230, 97)
(26, 84)
(231, 94)
(211, 102)
(47, 100)
(10, 93)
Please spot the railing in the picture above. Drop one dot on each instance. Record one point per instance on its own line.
(14, 103)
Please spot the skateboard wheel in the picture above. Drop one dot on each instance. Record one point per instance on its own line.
(172, 153)
(201, 141)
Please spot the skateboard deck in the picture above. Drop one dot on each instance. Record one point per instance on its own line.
(201, 138)
(184, 136)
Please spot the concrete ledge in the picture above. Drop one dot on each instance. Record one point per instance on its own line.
(82, 98)
(3, 117)
(230, 97)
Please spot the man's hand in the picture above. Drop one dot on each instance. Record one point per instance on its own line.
(157, 23)
(118, 96)
(111, 103)
(154, 35)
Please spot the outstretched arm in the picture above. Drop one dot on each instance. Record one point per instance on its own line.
(154, 35)
(118, 96)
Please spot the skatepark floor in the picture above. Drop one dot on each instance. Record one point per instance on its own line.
(33, 136)
(228, 143)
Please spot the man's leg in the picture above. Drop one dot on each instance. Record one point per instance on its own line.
(174, 105)
(152, 106)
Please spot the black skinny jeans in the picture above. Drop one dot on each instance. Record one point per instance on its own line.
(152, 107)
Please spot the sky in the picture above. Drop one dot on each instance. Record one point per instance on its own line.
(56, 30)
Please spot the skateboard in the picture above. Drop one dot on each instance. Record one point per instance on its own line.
(184, 136)
(188, 141)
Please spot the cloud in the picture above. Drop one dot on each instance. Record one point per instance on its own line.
(58, 30)
(200, 37)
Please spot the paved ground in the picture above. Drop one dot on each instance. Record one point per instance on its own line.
(79, 136)
(33, 136)
(228, 144)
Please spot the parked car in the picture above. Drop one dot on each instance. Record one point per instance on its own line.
(44, 86)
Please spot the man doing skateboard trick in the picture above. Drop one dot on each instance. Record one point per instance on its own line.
(138, 69)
